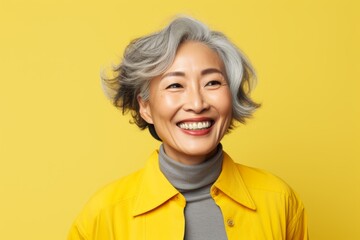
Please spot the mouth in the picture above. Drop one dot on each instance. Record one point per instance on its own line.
(195, 125)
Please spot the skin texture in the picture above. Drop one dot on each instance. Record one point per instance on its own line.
(194, 89)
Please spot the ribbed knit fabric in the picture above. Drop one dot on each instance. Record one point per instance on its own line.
(203, 218)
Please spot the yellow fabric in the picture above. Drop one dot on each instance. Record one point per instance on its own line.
(144, 205)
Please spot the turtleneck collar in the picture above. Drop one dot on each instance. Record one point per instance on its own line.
(191, 177)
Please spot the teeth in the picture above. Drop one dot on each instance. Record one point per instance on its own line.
(195, 125)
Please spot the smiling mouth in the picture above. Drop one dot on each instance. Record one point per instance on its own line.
(195, 125)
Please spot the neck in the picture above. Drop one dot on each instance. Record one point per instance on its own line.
(190, 177)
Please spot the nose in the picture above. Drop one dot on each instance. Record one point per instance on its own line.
(195, 101)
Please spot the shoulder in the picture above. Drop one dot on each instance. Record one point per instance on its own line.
(261, 182)
(115, 193)
(274, 198)
(254, 178)
(118, 194)
(260, 179)
(265, 187)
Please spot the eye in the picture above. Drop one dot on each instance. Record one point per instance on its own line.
(174, 86)
(213, 83)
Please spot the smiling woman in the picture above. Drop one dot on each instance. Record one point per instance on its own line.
(190, 104)
(188, 85)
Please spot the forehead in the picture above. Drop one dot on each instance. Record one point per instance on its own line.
(194, 55)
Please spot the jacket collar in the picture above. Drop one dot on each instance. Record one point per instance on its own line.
(231, 183)
(155, 189)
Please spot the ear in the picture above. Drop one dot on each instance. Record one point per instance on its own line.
(145, 110)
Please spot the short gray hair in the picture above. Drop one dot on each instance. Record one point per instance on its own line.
(150, 56)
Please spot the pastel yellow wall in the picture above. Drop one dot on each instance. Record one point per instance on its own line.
(61, 140)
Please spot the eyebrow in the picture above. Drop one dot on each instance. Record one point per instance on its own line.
(211, 70)
(182, 74)
(173, 74)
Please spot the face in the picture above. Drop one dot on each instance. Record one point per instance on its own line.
(190, 104)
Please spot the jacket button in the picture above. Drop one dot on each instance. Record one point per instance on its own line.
(230, 222)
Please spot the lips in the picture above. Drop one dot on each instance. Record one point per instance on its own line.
(195, 125)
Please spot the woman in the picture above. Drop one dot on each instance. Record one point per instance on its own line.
(188, 85)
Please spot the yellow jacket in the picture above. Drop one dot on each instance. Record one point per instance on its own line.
(144, 205)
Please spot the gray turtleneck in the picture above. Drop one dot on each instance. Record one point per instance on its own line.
(203, 218)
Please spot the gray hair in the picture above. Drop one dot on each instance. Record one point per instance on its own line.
(150, 56)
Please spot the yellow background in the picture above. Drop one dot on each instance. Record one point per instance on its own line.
(61, 140)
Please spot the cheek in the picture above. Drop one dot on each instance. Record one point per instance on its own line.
(226, 112)
(223, 102)
(164, 106)
(229, 105)
(169, 100)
